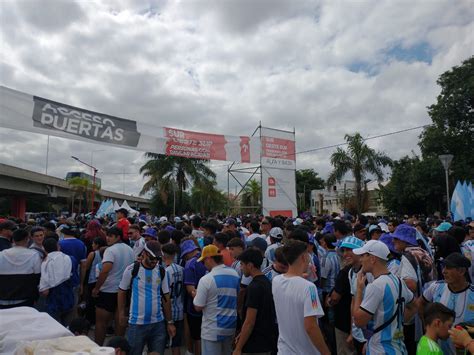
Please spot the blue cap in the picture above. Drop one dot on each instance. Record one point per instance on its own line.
(387, 239)
(405, 233)
(350, 243)
(169, 228)
(374, 227)
(150, 232)
(260, 244)
(444, 227)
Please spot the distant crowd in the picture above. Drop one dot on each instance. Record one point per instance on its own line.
(248, 284)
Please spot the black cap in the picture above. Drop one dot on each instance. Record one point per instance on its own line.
(457, 260)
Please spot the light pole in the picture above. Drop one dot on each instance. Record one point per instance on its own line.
(446, 161)
(95, 170)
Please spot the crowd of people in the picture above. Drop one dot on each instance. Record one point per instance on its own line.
(250, 284)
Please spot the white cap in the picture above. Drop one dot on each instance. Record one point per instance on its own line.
(163, 219)
(374, 247)
(276, 233)
(384, 227)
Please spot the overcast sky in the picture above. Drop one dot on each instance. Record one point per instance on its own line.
(326, 68)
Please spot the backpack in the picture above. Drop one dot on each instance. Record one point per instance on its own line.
(136, 268)
(422, 262)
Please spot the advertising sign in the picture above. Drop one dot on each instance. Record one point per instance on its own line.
(278, 173)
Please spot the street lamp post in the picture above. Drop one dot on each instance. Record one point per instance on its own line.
(446, 161)
(95, 170)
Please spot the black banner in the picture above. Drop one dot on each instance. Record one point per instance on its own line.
(87, 124)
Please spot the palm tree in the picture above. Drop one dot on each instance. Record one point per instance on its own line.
(166, 173)
(252, 193)
(206, 198)
(79, 187)
(359, 159)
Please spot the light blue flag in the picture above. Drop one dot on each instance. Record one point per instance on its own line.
(457, 207)
(466, 200)
(471, 199)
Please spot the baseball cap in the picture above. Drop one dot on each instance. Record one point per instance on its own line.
(123, 210)
(187, 247)
(384, 227)
(163, 219)
(444, 227)
(150, 232)
(328, 228)
(374, 228)
(259, 243)
(350, 243)
(170, 228)
(153, 248)
(297, 221)
(276, 233)
(406, 234)
(208, 251)
(177, 220)
(457, 260)
(374, 247)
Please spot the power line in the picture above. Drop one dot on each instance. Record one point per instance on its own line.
(341, 144)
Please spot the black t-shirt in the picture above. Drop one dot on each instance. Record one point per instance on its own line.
(259, 296)
(342, 311)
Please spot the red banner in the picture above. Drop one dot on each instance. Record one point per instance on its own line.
(278, 148)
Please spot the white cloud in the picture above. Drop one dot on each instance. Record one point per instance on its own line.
(326, 68)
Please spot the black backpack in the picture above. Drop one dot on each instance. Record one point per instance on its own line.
(136, 268)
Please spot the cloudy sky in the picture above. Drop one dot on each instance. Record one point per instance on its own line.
(326, 68)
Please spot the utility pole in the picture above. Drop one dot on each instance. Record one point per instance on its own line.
(446, 161)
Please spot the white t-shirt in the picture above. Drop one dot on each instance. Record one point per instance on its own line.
(120, 255)
(406, 270)
(138, 246)
(295, 299)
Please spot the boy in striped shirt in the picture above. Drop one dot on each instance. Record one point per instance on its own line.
(175, 276)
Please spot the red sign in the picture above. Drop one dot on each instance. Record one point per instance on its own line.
(271, 181)
(195, 145)
(245, 149)
(278, 148)
(272, 192)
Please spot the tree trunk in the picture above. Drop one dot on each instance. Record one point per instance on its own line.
(359, 196)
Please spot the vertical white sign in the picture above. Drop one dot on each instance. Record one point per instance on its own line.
(278, 173)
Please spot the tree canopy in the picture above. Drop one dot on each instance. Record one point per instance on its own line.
(307, 180)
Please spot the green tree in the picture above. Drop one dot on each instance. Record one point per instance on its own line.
(360, 160)
(452, 130)
(206, 198)
(79, 187)
(166, 173)
(307, 180)
(251, 195)
(416, 186)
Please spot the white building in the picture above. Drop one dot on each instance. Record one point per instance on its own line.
(336, 198)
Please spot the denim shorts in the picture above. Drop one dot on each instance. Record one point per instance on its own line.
(152, 335)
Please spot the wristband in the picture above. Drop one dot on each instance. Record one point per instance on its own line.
(170, 322)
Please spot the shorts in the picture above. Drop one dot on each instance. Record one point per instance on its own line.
(107, 301)
(194, 326)
(152, 335)
(177, 340)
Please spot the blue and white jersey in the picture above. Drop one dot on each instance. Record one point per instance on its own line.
(92, 271)
(380, 300)
(145, 306)
(467, 249)
(175, 276)
(217, 292)
(330, 267)
(461, 302)
(270, 273)
(236, 266)
(270, 252)
(393, 267)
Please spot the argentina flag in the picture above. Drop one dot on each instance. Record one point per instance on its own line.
(457, 203)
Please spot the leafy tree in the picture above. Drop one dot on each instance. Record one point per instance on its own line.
(79, 187)
(360, 160)
(307, 180)
(165, 173)
(251, 196)
(416, 186)
(452, 130)
(206, 198)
